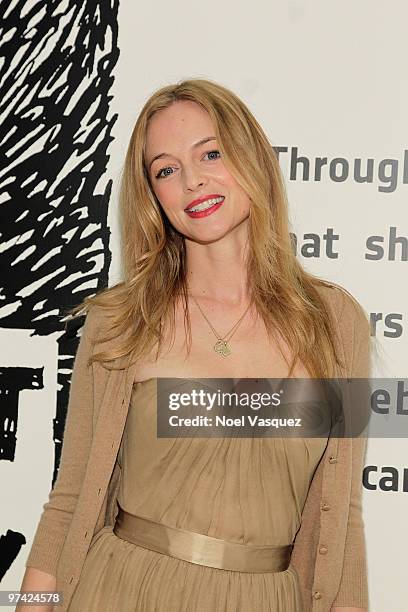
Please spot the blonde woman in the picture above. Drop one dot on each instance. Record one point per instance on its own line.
(211, 289)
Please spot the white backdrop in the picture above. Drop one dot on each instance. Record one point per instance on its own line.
(328, 79)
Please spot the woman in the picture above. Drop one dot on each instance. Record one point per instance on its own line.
(208, 258)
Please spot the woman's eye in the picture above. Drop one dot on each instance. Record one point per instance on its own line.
(159, 174)
(163, 174)
(210, 153)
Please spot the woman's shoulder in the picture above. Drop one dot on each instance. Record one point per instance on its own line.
(345, 306)
(92, 319)
(352, 329)
(95, 323)
(101, 328)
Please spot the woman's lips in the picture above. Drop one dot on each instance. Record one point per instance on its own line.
(206, 212)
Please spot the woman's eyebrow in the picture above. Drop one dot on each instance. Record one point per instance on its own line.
(194, 146)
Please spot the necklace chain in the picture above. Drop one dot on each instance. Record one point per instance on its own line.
(222, 347)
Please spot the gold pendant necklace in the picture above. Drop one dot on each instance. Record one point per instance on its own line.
(222, 347)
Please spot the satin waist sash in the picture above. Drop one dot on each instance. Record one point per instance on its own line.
(199, 548)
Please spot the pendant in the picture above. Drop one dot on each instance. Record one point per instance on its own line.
(222, 348)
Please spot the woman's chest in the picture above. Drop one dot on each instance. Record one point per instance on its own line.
(248, 353)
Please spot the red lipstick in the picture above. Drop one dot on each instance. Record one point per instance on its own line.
(205, 202)
(211, 196)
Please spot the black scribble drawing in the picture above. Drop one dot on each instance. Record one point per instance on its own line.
(10, 546)
(12, 381)
(57, 62)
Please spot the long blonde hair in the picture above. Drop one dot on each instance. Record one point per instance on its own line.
(154, 256)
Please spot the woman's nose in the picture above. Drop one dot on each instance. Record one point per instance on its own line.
(192, 180)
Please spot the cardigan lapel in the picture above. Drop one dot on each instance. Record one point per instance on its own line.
(328, 480)
(109, 430)
(105, 444)
(112, 419)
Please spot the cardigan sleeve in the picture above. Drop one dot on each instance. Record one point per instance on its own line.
(353, 589)
(57, 512)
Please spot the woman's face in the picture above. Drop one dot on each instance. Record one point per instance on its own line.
(190, 170)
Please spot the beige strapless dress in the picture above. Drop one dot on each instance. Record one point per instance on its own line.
(246, 490)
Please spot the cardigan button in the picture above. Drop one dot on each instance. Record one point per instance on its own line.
(325, 506)
(332, 459)
(317, 595)
(323, 550)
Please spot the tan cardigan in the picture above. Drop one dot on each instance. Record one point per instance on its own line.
(329, 550)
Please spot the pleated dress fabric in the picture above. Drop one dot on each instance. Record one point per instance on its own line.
(245, 490)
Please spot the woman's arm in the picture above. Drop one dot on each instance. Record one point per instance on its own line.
(353, 591)
(58, 510)
(36, 580)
